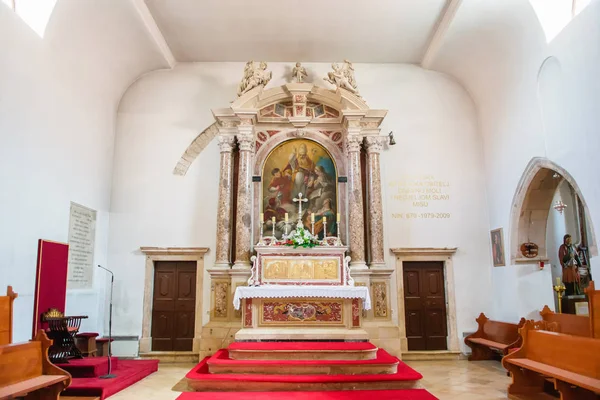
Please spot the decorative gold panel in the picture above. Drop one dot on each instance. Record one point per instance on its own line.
(220, 299)
(295, 312)
(380, 299)
(296, 269)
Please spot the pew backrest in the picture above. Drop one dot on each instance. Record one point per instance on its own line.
(569, 324)
(6, 316)
(20, 361)
(576, 354)
(501, 332)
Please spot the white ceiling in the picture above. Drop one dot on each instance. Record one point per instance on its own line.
(374, 31)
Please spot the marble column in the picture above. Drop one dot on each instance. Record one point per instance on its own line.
(355, 203)
(375, 211)
(243, 226)
(224, 216)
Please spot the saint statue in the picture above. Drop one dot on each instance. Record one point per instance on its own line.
(569, 259)
(343, 77)
(254, 77)
(299, 72)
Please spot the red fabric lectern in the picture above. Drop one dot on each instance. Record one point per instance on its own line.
(50, 280)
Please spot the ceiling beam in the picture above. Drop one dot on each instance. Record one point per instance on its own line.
(154, 31)
(444, 22)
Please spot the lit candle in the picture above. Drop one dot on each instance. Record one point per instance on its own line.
(312, 217)
(273, 220)
(286, 218)
(324, 220)
(338, 217)
(262, 217)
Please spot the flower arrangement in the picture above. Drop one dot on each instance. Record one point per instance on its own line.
(301, 238)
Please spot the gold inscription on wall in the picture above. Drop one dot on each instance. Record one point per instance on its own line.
(300, 269)
(419, 197)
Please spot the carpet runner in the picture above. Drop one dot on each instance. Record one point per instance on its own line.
(410, 394)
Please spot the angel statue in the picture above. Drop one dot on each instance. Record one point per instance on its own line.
(254, 77)
(343, 77)
(299, 72)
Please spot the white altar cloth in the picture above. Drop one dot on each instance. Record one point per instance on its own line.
(281, 291)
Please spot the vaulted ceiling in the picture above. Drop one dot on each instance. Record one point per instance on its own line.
(398, 31)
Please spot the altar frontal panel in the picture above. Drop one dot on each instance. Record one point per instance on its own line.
(314, 270)
(301, 312)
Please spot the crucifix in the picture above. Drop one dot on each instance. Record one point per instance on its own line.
(300, 200)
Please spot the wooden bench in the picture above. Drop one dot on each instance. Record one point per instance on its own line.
(571, 362)
(6, 316)
(569, 324)
(594, 307)
(26, 371)
(493, 337)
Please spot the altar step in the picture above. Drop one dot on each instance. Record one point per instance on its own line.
(220, 363)
(201, 380)
(302, 351)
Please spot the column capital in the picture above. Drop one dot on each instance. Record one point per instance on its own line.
(353, 143)
(246, 141)
(375, 143)
(226, 143)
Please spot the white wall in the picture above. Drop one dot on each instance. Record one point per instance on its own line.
(58, 97)
(435, 128)
(496, 49)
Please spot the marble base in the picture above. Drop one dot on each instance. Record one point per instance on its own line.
(171, 356)
(301, 334)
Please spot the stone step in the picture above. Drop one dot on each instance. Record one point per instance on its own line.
(302, 351)
(220, 363)
(201, 380)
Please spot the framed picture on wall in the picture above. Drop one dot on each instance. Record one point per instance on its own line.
(498, 248)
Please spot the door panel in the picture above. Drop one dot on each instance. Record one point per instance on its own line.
(425, 306)
(173, 312)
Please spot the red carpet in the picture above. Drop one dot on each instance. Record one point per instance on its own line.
(128, 372)
(88, 367)
(306, 346)
(200, 372)
(409, 394)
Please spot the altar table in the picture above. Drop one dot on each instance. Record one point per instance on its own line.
(302, 312)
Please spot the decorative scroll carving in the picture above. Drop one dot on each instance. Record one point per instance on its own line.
(353, 143)
(380, 294)
(253, 280)
(246, 142)
(349, 280)
(375, 143)
(226, 144)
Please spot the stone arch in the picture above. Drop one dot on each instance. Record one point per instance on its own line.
(532, 203)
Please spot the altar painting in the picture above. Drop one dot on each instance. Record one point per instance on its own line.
(300, 166)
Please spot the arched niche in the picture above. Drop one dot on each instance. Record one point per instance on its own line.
(320, 137)
(532, 204)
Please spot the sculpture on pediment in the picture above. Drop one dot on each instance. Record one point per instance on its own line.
(299, 72)
(343, 77)
(254, 77)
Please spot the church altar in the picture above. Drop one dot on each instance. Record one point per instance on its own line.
(301, 294)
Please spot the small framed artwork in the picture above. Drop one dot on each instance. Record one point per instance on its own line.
(498, 248)
(582, 308)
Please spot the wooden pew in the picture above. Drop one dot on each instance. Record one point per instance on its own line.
(571, 362)
(594, 307)
(569, 324)
(6, 316)
(492, 337)
(26, 371)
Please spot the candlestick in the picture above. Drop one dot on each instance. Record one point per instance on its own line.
(338, 242)
(262, 217)
(558, 281)
(325, 231)
(338, 218)
(260, 239)
(286, 218)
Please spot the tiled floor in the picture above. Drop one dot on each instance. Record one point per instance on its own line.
(448, 380)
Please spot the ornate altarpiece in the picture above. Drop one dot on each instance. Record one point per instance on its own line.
(258, 122)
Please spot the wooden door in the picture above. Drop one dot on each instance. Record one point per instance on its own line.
(425, 306)
(174, 304)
